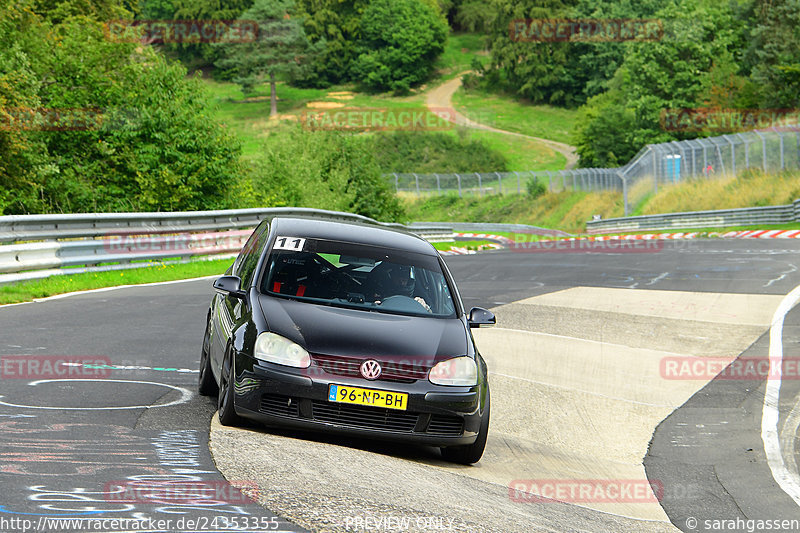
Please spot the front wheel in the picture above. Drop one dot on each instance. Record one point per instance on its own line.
(470, 453)
(225, 409)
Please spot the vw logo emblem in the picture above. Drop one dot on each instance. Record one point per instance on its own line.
(371, 369)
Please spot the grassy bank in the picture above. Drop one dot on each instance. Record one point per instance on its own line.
(569, 211)
(508, 114)
(566, 211)
(41, 288)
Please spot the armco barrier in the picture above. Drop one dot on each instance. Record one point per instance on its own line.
(43, 244)
(747, 216)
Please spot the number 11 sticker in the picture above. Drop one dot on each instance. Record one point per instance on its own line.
(294, 244)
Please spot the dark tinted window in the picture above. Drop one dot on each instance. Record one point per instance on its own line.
(358, 276)
(247, 261)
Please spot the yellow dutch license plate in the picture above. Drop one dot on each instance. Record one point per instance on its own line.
(370, 397)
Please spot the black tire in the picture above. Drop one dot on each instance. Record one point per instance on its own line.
(470, 453)
(206, 384)
(225, 409)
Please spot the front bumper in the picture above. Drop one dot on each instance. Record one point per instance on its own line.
(277, 395)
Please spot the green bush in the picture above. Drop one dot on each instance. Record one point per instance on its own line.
(323, 169)
(400, 41)
(535, 187)
(154, 147)
(429, 152)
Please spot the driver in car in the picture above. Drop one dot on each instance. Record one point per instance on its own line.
(398, 281)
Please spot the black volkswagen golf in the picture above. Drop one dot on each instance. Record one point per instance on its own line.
(347, 327)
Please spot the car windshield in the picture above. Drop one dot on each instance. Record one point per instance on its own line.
(358, 276)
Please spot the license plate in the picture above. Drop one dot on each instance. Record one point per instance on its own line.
(371, 397)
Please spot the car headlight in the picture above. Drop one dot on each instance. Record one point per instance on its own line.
(459, 371)
(273, 348)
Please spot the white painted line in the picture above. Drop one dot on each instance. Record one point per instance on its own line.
(105, 289)
(787, 437)
(185, 396)
(786, 479)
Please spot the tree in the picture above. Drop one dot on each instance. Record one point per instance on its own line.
(196, 53)
(146, 139)
(338, 24)
(279, 47)
(400, 41)
(684, 71)
(775, 54)
(329, 169)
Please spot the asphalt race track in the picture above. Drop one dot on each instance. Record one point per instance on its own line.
(582, 388)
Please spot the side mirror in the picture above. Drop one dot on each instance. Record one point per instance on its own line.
(478, 316)
(230, 286)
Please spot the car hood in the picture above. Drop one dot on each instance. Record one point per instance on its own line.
(350, 332)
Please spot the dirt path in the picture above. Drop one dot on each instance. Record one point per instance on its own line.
(441, 97)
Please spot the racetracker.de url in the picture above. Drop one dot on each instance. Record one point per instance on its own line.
(109, 525)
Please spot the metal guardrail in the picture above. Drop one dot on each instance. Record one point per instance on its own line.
(44, 244)
(747, 216)
(38, 227)
(486, 227)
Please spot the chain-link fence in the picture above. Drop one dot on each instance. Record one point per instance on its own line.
(481, 183)
(655, 165)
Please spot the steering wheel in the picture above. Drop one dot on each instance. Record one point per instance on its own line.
(398, 302)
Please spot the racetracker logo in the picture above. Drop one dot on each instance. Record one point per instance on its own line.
(585, 491)
(129, 243)
(181, 492)
(64, 118)
(54, 366)
(585, 30)
(743, 368)
(708, 119)
(590, 245)
(181, 31)
(376, 119)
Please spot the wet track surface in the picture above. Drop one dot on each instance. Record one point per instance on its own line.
(72, 445)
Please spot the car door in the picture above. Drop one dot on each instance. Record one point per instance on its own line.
(228, 311)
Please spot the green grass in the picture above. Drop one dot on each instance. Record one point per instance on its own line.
(522, 154)
(469, 245)
(250, 121)
(41, 288)
(507, 114)
(458, 54)
(569, 210)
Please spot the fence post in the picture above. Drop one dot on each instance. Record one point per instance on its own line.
(438, 184)
(458, 177)
(655, 170)
(416, 179)
(746, 151)
(519, 189)
(733, 155)
(499, 183)
(624, 193)
(396, 183)
(763, 151)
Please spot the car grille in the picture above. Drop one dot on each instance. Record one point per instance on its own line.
(448, 426)
(406, 370)
(276, 405)
(364, 417)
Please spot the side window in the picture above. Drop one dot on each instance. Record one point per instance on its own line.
(247, 261)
